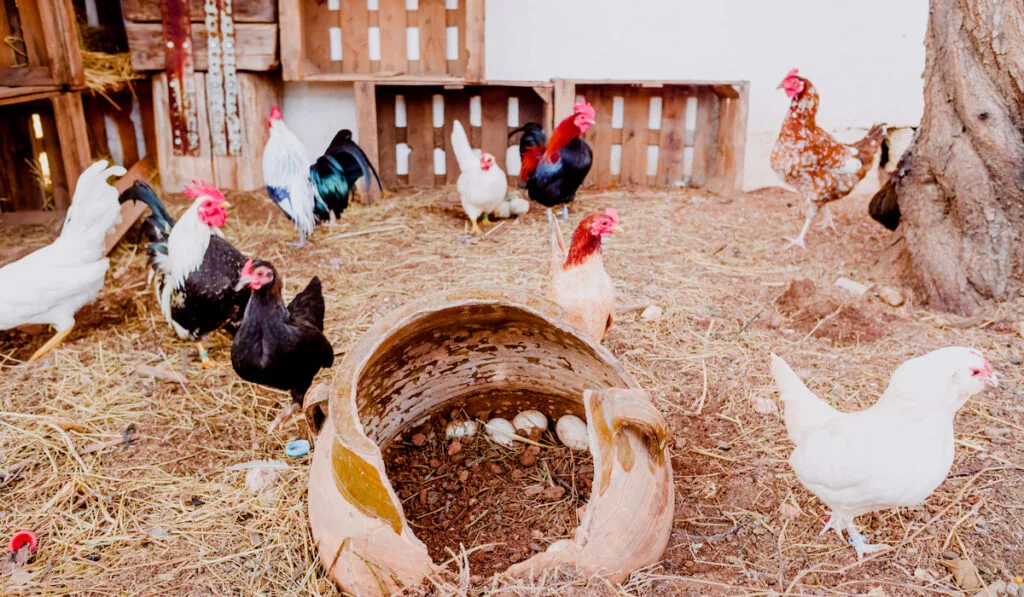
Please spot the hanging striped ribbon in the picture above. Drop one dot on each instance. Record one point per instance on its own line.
(222, 80)
(181, 84)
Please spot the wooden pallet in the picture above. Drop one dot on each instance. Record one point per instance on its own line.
(429, 111)
(243, 173)
(48, 130)
(40, 53)
(344, 40)
(663, 133)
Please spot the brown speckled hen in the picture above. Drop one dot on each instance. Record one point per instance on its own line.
(813, 162)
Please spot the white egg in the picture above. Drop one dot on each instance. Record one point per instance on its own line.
(519, 206)
(528, 420)
(572, 432)
(459, 429)
(501, 431)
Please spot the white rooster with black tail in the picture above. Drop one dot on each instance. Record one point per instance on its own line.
(311, 192)
(50, 285)
(893, 454)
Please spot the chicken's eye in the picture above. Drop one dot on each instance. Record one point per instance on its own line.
(975, 371)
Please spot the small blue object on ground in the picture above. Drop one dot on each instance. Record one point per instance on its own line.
(297, 448)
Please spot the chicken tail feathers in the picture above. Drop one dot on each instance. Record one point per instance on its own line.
(342, 147)
(803, 411)
(463, 152)
(308, 305)
(531, 148)
(160, 222)
(884, 207)
(331, 187)
(870, 144)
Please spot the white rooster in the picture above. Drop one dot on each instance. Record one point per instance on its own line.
(482, 184)
(893, 454)
(51, 284)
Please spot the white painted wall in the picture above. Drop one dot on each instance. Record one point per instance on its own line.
(865, 57)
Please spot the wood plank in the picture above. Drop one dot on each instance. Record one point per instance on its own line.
(355, 23)
(531, 108)
(34, 34)
(257, 46)
(74, 137)
(456, 107)
(8, 57)
(31, 218)
(20, 95)
(292, 57)
(420, 137)
(131, 211)
(60, 31)
(257, 93)
(475, 27)
(565, 99)
(366, 132)
(126, 133)
(457, 18)
(672, 141)
(433, 21)
(386, 138)
(144, 95)
(494, 120)
(60, 185)
(25, 76)
(95, 112)
(243, 11)
(392, 37)
(731, 145)
(636, 110)
(177, 171)
(600, 136)
(705, 137)
(315, 39)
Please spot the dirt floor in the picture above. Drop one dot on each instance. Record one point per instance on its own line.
(125, 478)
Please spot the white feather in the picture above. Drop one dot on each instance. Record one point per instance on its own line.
(286, 166)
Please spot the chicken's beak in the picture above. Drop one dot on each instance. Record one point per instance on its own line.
(992, 381)
(616, 229)
(591, 121)
(242, 283)
(225, 204)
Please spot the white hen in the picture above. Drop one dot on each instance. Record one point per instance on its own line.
(893, 454)
(51, 284)
(482, 184)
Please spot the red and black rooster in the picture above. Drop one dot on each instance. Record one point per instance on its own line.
(277, 346)
(553, 169)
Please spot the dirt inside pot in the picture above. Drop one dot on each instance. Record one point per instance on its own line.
(473, 492)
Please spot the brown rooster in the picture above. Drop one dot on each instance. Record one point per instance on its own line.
(812, 161)
(579, 283)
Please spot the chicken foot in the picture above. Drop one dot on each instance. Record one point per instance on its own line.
(826, 221)
(812, 211)
(51, 344)
(204, 357)
(285, 416)
(860, 544)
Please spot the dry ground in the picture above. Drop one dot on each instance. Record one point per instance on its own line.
(162, 515)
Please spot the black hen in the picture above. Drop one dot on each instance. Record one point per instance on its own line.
(884, 207)
(277, 346)
(552, 170)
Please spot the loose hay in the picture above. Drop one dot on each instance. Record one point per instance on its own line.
(124, 477)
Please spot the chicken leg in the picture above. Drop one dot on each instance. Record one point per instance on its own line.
(204, 357)
(826, 221)
(812, 211)
(51, 343)
(861, 545)
(476, 228)
(565, 212)
(285, 416)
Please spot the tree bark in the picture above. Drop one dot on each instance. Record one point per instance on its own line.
(961, 194)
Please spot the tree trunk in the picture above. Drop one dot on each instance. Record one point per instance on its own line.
(961, 196)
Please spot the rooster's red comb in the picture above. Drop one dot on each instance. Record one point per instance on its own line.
(585, 109)
(247, 269)
(614, 215)
(203, 189)
(793, 73)
(275, 113)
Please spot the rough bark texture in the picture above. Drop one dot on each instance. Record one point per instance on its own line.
(962, 198)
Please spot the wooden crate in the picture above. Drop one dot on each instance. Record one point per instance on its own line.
(44, 139)
(244, 173)
(121, 126)
(40, 53)
(255, 34)
(663, 133)
(429, 110)
(345, 40)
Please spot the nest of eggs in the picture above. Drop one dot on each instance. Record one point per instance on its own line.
(502, 490)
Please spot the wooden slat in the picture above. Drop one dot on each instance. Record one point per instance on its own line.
(315, 40)
(600, 136)
(33, 35)
(456, 107)
(131, 211)
(565, 98)
(95, 111)
(257, 93)
(457, 19)
(60, 31)
(31, 218)
(634, 136)
(257, 46)
(144, 95)
(60, 185)
(366, 119)
(673, 136)
(177, 171)
(24, 76)
(8, 57)
(243, 11)
(386, 137)
(474, 48)
(355, 23)
(292, 57)
(432, 23)
(494, 108)
(420, 137)
(74, 137)
(731, 145)
(126, 132)
(704, 137)
(392, 37)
